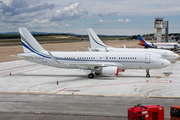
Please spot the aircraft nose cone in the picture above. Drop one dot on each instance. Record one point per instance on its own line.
(167, 63)
(176, 56)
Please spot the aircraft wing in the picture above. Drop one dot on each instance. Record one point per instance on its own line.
(93, 65)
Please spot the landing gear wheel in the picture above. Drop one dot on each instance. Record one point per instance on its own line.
(91, 75)
(97, 73)
(148, 75)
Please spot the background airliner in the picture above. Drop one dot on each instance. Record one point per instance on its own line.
(106, 63)
(173, 46)
(98, 46)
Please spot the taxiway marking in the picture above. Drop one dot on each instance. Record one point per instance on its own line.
(18, 67)
(22, 72)
(110, 95)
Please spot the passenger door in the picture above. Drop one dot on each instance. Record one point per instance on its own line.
(147, 58)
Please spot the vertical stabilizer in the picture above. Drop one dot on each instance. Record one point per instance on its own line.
(94, 40)
(29, 42)
(141, 40)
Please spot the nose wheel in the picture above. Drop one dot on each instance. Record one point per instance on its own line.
(147, 73)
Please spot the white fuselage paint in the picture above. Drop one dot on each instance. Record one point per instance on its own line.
(163, 45)
(123, 60)
(98, 46)
(169, 55)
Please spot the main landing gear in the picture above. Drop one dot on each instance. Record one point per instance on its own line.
(91, 75)
(147, 73)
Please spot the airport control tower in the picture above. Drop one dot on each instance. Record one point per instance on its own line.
(159, 24)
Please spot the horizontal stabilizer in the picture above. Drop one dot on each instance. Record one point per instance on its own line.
(24, 55)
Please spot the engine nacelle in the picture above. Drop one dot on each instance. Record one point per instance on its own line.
(110, 71)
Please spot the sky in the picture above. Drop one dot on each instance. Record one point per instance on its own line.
(108, 17)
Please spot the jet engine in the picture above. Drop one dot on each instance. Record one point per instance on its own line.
(110, 71)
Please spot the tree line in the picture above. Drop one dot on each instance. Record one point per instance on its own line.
(16, 36)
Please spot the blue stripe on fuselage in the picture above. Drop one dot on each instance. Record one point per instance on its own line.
(76, 59)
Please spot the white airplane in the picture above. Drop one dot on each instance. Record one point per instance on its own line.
(173, 46)
(106, 63)
(98, 46)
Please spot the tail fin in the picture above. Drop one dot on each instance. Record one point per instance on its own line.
(29, 42)
(94, 40)
(144, 43)
(141, 40)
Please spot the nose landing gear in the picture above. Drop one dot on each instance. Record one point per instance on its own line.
(147, 73)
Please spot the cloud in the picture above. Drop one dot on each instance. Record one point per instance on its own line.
(106, 14)
(103, 21)
(127, 20)
(67, 25)
(121, 20)
(35, 23)
(69, 13)
(16, 13)
(22, 10)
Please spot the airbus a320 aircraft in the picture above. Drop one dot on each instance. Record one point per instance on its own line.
(106, 63)
(146, 44)
(98, 46)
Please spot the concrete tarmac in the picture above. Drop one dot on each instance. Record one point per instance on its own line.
(30, 89)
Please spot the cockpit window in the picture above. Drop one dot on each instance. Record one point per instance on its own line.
(160, 57)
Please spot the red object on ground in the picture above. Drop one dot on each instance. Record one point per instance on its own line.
(146, 112)
(175, 112)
